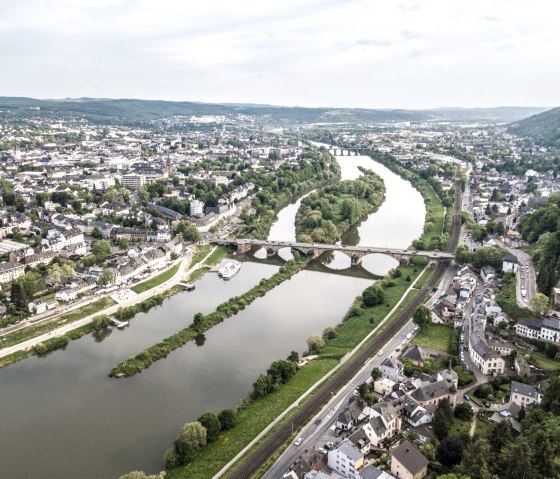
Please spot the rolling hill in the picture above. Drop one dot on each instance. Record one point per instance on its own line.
(543, 128)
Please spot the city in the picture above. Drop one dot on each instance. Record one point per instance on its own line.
(229, 288)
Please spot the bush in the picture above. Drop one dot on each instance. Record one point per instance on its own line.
(464, 411)
(373, 295)
(49, 345)
(329, 333)
(227, 418)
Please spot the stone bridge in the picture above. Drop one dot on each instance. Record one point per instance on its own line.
(339, 151)
(356, 253)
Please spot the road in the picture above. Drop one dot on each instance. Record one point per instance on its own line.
(315, 436)
(178, 277)
(526, 279)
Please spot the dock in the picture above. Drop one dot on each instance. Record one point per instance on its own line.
(187, 286)
(119, 324)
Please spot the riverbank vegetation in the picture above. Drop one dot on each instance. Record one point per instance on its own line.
(315, 168)
(507, 299)
(202, 323)
(326, 214)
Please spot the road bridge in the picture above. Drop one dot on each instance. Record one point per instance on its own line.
(356, 253)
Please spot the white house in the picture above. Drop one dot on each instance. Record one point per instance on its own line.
(510, 264)
(525, 394)
(347, 460)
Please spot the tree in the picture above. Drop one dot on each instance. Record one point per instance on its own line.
(422, 316)
(281, 371)
(198, 320)
(373, 295)
(443, 417)
(105, 277)
(450, 451)
(142, 475)
(188, 231)
(54, 277)
(551, 398)
(262, 386)
(227, 418)
(315, 344)
(464, 411)
(293, 357)
(19, 295)
(123, 244)
(192, 438)
(540, 305)
(375, 374)
(101, 249)
(475, 458)
(96, 233)
(329, 333)
(212, 424)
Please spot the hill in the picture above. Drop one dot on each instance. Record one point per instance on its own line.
(543, 128)
(134, 111)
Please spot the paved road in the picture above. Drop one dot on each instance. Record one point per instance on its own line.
(315, 436)
(178, 277)
(526, 279)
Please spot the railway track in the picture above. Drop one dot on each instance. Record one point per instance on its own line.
(325, 392)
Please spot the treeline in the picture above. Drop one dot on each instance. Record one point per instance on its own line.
(542, 229)
(123, 314)
(485, 256)
(497, 453)
(49, 345)
(314, 168)
(325, 215)
(201, 322)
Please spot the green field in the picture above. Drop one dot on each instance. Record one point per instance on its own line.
(507, 300)
(251, 421)
(434, 336)
(201, 251)
(156, 280)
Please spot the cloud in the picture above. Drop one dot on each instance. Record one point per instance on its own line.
(377, 53)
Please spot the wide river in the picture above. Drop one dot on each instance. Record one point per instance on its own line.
(62, 417)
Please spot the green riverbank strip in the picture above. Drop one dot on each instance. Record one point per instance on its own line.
(255, 415)
(202, 323)
(156, 280)
(47, 326)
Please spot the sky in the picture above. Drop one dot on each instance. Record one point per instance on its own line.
(333, 53)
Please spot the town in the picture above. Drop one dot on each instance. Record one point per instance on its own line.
(99, 218)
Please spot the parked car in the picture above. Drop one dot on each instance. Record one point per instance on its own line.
(322, 451)
(317, 421)
(299, 440)
(329, 445)
(467, 398)
(337, 432)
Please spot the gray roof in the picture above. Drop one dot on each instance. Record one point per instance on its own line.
(511, 259)
(434, 390)
(523, 389)
(533, 323)
(371, 472)
(416, 353)
(409, 457)
(551, 323)
(350, 451)
(485, 351)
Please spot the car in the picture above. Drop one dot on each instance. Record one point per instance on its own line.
(322, 451)
(329, 445)
(337, 432)
(380, 353)
(409, 335)
(317, 421)
(298, 441)
(466, 397)
(398, 349)
(486, 404)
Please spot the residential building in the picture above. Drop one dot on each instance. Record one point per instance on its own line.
(347, 460)
(510, 264)
(196, 208)
(10, 271)
(524, 394)
(133, 182)
(544, 329)
(407, 462)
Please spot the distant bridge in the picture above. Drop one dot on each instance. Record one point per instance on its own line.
(339, 151)
(356, 253)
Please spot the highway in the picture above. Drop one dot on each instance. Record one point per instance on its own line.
(324, 394)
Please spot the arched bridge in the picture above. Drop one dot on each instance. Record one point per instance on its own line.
(347, 151)
(356, 253)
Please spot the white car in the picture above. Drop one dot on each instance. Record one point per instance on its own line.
(298, 441)
(322, 451)
(380, 353)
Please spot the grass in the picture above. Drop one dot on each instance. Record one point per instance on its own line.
(251, 420)
(507, 299)
(198, 273)
(201, 251)
(156, 280)
(459, 427)
(217, 255)
(434, 336)
(46, 326)
(541, 360)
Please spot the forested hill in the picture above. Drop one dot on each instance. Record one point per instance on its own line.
(542, 229)
(543, 128)
(133, 111)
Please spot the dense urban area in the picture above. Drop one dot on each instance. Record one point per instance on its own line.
(445, 365)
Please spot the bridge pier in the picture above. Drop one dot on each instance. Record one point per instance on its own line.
(356, 261)
(243, 248)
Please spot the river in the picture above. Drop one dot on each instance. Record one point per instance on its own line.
(62, 417)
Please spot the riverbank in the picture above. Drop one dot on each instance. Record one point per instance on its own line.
(75, 324)
(324, 216)
(255, 415)
(202, 323)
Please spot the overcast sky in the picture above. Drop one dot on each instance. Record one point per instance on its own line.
(353, 53)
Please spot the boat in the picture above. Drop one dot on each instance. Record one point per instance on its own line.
(190, 287)
(230, 270)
